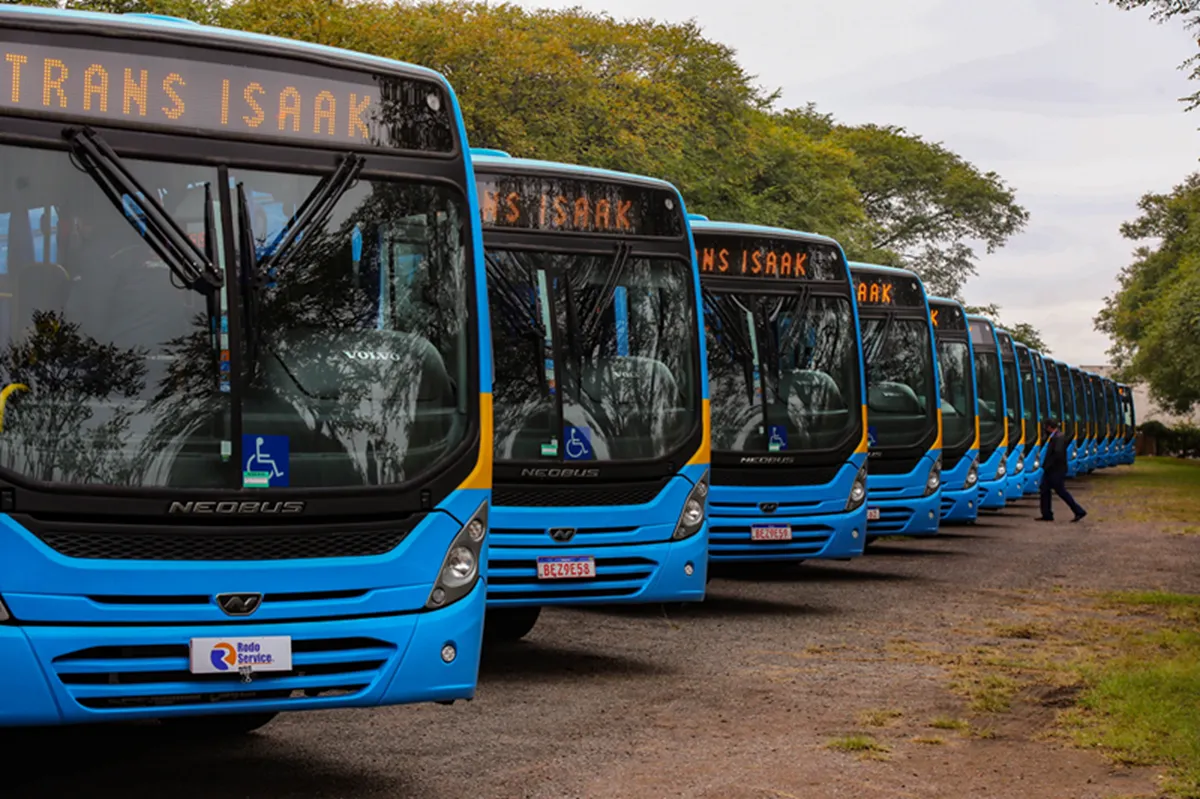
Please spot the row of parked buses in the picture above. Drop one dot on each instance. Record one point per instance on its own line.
(298, 388)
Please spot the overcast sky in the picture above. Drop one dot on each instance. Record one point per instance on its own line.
(1073, 102)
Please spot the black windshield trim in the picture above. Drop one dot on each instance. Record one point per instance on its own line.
(905, 314)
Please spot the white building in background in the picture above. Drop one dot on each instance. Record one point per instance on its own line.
(1146, 409)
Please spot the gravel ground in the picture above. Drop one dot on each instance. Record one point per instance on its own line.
(735, 698)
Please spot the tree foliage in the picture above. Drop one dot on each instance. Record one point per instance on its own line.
(661, 99)
(1167, 10)
(1154, 316)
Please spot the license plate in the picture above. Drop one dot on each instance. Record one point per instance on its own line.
(233, 654)
(771, 532)
(872, 514)
(566, 567)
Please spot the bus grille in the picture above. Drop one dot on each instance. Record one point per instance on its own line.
(947, 505)
(117, 677)
(732, 542)
(616, 578)
(546, 496)
(892, 519)
(217, 544)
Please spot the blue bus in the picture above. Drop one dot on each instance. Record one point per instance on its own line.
(1078, 464)
(1113, 410)
(1033, 374)
(993, 420)
(960, 421)
(789, 429)
(602, 421)
(1066, 419)
(1127, 441)
(1091, 448)
(1014, 413)
(235, 482)
(1103, 421)
(904, 416)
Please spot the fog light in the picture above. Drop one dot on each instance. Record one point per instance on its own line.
(931, 514)
(854, 533)
(689, 569)
(449, 653)
(970, 504)
(438, 596)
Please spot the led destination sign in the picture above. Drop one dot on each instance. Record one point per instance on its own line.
(903, 292)
(767, 258)
(569, 205)
(193, 94)
(947, 317)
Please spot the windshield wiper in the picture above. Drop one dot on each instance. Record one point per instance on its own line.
(249, 275)
(591, 322)
(312, 214)
(732, 327)
(193, 267)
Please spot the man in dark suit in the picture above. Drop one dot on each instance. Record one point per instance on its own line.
(1054, 475)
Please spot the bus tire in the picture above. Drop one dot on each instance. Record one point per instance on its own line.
(510, 624)
(234, 724)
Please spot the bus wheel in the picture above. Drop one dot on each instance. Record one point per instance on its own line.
(236, 724)
(509, 624)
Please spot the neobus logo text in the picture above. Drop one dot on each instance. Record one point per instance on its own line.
(560, 472)
(236, 508)
(765, 460)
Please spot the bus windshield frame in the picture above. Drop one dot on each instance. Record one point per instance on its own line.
(1029, 397)
(1012, 389)
(599, 311)
(989, 387)
(261, 352)
(776, 387)
(956, 379)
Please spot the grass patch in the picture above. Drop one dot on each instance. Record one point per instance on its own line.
(863, 745)
(947, 723)
(1143, 706)
(929, 740)
(1026, 632)
(1158, 490)
(987, 692)
(879, 717)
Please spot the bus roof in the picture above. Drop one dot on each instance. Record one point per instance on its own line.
(974, 317)
(944, 301)
(705, 224)
(859, 266)
(152, 26)
(486, 160)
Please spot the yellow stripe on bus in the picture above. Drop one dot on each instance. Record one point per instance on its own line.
(864, 444)
(703, 454)
(481, 475)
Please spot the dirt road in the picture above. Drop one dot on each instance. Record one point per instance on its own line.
(823, 680)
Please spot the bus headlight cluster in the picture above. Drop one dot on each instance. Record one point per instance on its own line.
(858, 490)
(934, 481)
(694, 511)
(460, 568)
(1002, 469)
(1037, 462)
(972, 474)
(1020, 465)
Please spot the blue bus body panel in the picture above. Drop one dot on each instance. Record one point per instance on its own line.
(75, 605)
(636, 560)
(1014, 487)
(821, 526)
(960, 503)
(991, 490)
(903, 507)
(1033, 469)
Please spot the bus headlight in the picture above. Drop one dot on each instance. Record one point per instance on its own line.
(858, 490)
(692, 518)
(1020, 465)
(460, 567)
(972, 474)
(934, 480)
(1037, 462)
(1002, 469)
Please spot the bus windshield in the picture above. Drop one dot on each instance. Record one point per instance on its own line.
(958, 397)
(1056, 399)
(900, 384)
(781, 370)
(1012, 393)
(1028, 395)
(356, 348)
(597, 355)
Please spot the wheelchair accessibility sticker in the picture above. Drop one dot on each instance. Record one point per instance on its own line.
(776, 438)
(266, 461)
(577, 444)
(871, 436)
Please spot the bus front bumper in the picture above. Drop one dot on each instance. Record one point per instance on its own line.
(991, 493)
(905, 516)
(834, 536)
(68, 675)
(664, 571)
(960, 506)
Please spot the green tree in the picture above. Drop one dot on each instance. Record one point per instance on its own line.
(1023, 332)
(927, 205)
(1154, 316)
(1164, 11)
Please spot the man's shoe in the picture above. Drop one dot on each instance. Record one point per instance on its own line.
(1079, 516)
(1044, 518)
